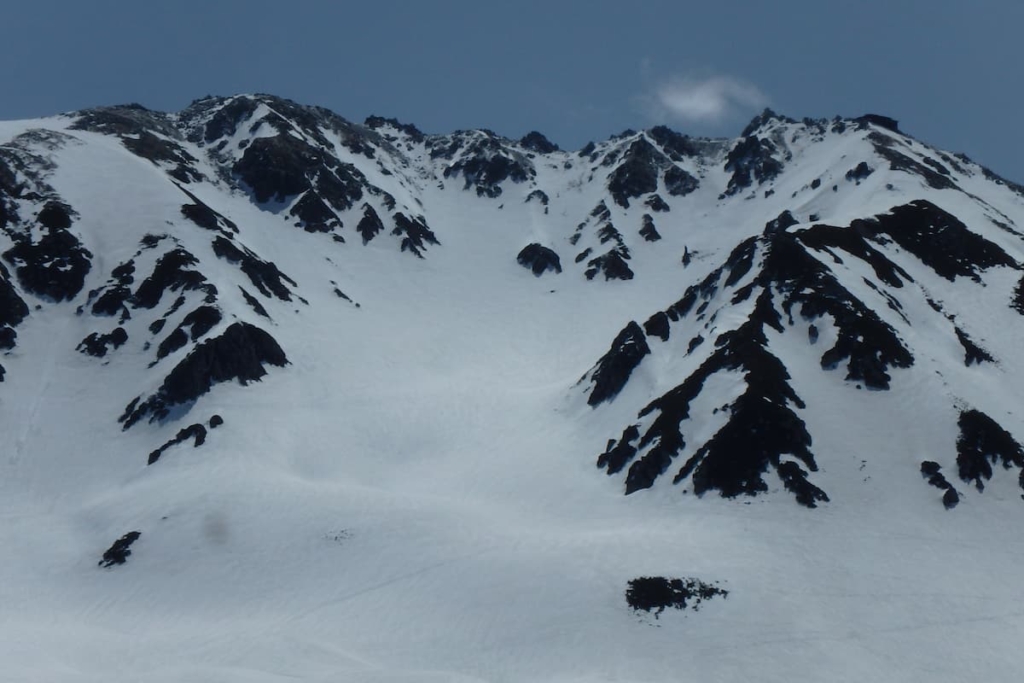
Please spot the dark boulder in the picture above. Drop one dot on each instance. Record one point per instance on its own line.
(55, 216)
(1016, 303)
(648, 231)
(97, 344)
(657, 326)
(118, 553)
(539, 259)
(264, 275)
(370, 224)
(859, 172)
(657, 204)
(657, 593)
(886, 147)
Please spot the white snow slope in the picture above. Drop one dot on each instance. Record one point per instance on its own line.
(415, 496)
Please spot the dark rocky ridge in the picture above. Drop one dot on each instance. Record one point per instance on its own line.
(973, 354)
(296, 163)
(642, 165)
(414, 233)
(613, 263)
(483, 162)
(937, 238)
(648, 230)
(752, 159)
(377, 122)
(193, 326)
(173, 272)
(280, 167)
(210, 120)
(886, 147)
(761, 429)
(675, 145)
(125, 119)
(254, 303)
(240, 353)
(612, 372)
(637, 174)
(205, 217)
(148, 134)
(780, 274)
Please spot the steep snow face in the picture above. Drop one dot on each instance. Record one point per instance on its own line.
(285, 396)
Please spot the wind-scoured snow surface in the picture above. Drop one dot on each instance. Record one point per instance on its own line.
(286, 397)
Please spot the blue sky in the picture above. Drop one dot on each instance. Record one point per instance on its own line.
(948, 70)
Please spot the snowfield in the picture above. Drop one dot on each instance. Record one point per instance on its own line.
(415, 495)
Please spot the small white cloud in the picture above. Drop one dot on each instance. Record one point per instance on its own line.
(706, 100)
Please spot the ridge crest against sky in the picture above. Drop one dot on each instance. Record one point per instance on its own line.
(573, 70)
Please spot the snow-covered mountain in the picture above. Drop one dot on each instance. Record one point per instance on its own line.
(338, 401)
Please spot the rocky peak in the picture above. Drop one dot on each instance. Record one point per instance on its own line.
(483, 159)
(764, 120)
